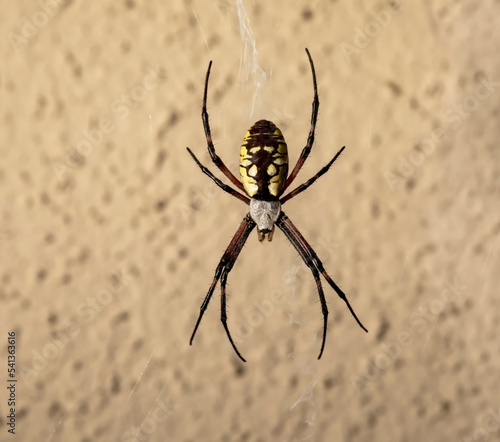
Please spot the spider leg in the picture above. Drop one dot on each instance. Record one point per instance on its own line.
(309, 262)
(309, 182)
(223, 314)
(310, 138)
(311, 259)
(208, 135)
(225, 265)
(223, 186)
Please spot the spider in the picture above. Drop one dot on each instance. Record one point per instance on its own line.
(264, 170)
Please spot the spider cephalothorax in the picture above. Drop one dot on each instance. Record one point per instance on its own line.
(264, 175)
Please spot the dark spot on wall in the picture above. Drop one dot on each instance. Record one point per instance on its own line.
(151, 235)
(183, 253)
(174, 118)
(353, 431)
(42, 274)
(66, 278)
(107, 198)
(134, 222)
(383, 328)
(50, 238)
(52, 319)
(399, 363)
(126, 46)
(44, 199)
(329, 383)
(445, 406)
(485, 356)
(130, 4)
(115, 384)
(496, 228)
(167, 125)
(55, 410)
(99, 431)
(22, 413)
(307, 14)
(214, 40)
(395, 88)
(457, 366)
(121, 317)
(77, 70)
(186, 387)
(96, 215)
(77, 365)
(160, 205)
(239, 369)
(357, 167)
(83, 408)
(134, 270)
(414, 103)
(137, 345)
(25, 177)
(427, 249)
(372, 419)
(358, 187)
(41, 104)
(160, 158)
(366, 399)
(435, 89)
(375, 209)
(26, 304)
(84, 254)
(178, 374)
(410, 184)
(421, 411)
(29, 202)
(478, 248)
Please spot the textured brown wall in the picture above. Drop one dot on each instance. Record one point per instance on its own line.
(106, 255)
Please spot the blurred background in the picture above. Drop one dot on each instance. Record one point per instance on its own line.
(110, 234)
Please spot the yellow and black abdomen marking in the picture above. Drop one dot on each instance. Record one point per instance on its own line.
(264, 161)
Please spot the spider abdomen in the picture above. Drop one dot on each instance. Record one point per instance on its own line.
(264, 161)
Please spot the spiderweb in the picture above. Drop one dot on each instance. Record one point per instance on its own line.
(304, 361)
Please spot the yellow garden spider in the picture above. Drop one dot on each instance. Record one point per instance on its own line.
(264, 170)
